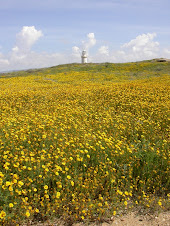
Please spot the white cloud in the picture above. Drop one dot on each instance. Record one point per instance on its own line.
(102, 55)
(22, 57)
(141, 40)
(142, 47)
(166, 53)
(34, 60)
(76, 49)
(76, 52)
(4, 63)
(26, 38)
(104, 50)
(91, 41)
(85, 45)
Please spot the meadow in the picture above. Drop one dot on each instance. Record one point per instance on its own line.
(84, 142)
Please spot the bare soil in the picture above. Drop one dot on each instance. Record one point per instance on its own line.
(130, 219)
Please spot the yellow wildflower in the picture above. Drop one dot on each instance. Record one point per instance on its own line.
(2, 214)
(27, 214)
(46, 187)
(11, 205)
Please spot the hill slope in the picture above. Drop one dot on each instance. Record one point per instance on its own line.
(84, 142)
(100, 72)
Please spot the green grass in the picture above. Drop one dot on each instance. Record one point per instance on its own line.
(131, 70)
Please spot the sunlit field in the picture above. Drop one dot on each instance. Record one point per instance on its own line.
(84, 142)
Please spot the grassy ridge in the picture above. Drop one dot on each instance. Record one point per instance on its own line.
(131, 69)
(84, 141)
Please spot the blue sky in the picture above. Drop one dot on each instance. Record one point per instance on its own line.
(40, 33)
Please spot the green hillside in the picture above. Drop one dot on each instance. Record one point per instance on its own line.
(109, 71)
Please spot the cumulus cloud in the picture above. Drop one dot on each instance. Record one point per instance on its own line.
(91, 41)
(21, 56)
(142, 47)
(104, 50)
(141, 40)
(85, 45)
(76, 51)
(102, 55)
(26, 38)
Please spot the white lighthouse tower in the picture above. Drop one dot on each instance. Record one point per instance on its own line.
(84, 57)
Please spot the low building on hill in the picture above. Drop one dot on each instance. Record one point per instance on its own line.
(162, 60)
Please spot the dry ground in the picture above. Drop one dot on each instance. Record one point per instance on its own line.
(131, 219)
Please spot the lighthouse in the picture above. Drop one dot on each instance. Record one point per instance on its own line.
(84, 57)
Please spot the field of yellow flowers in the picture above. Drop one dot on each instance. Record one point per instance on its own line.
(84, 142)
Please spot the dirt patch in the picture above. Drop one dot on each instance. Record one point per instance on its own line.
(131, 219)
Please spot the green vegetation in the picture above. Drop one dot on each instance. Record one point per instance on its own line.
(132, 70)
